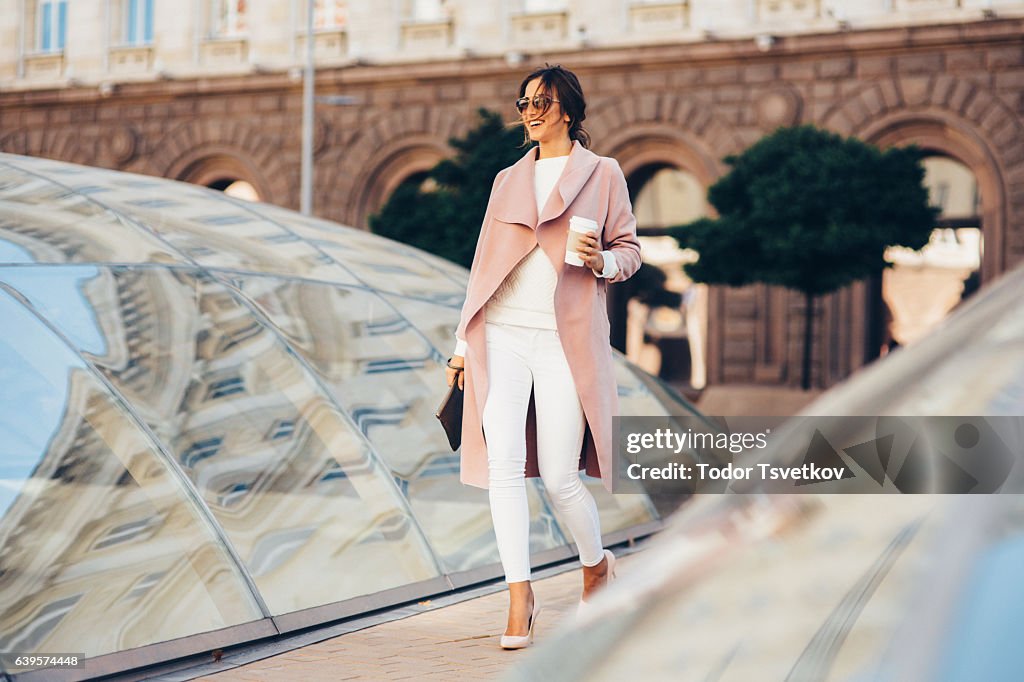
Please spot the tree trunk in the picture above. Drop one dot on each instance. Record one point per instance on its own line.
(805, 380)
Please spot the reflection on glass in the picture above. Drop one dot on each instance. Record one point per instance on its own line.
(380, 263)
(294, 486)
(456, 273)
(100, 547)
(220, 232)
(43, 222)
(436, 322)
(389, 379)
(99, 216)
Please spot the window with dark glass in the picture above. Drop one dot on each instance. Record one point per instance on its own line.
(200, 451)
(225, 387)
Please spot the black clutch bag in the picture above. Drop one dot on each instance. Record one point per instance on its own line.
(449, 413)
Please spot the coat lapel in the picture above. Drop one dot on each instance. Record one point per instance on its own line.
(578, 169)
(514, 199)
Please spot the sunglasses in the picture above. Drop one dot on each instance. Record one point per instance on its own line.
(540, 102)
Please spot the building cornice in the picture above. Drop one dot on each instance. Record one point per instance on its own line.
(708, 53)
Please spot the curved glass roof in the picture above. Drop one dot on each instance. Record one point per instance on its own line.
(216, 419)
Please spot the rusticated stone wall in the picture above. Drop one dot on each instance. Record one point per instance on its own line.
(957, 90)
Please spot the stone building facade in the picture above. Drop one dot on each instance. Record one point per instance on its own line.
(684, 100)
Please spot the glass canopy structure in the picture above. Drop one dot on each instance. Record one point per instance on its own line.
(216, 422)
(827, 586)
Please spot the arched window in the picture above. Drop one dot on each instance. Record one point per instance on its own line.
(662, 336)
(666, 196)
(420, 180)
(240, 189)
(923, 286)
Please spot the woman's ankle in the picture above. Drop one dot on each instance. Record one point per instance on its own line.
(598, 570)
(520, 592)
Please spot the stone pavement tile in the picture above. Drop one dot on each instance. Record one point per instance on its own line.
(410, 661)
(456, 642)
(307, 654)
(431, 656)
(395, 671)
(261, 676)
(317, 676)
(355, 671)
(355, 660)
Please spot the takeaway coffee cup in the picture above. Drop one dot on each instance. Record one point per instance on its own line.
(577, 227)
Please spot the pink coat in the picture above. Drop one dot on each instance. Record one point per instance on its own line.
(593, 187)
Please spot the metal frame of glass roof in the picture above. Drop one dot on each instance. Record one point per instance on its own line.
(190, 256)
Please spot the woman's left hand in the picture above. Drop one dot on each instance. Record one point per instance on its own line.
(590, 252)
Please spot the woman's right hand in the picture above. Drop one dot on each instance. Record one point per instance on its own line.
(451, 374)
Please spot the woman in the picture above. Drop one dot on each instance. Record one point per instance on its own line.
(532, 350)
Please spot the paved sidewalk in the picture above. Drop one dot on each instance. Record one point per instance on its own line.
(459, 641)
(754, 401)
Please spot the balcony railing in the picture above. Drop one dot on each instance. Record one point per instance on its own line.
(532, 28)
(330, 43)
(433, 35)
(128, 59)
(225, 52)
(44, 66)
(659, 16)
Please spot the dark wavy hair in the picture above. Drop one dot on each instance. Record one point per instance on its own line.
(562, 82)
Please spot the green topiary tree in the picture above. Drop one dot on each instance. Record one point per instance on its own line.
(807, 209)
(446, 220)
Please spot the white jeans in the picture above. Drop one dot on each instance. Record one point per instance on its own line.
(519, 358)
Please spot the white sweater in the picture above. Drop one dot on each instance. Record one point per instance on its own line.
(527, 296)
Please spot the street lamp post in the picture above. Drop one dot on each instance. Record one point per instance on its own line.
(308, 103)
(306, 191)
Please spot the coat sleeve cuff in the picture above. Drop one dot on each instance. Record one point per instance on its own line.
(611, 268)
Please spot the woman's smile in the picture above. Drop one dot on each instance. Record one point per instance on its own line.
(545, 120)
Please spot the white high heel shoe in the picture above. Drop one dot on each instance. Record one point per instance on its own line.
(522, 641)
(584, 606)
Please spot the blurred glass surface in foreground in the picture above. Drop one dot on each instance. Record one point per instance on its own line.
(885, 588)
